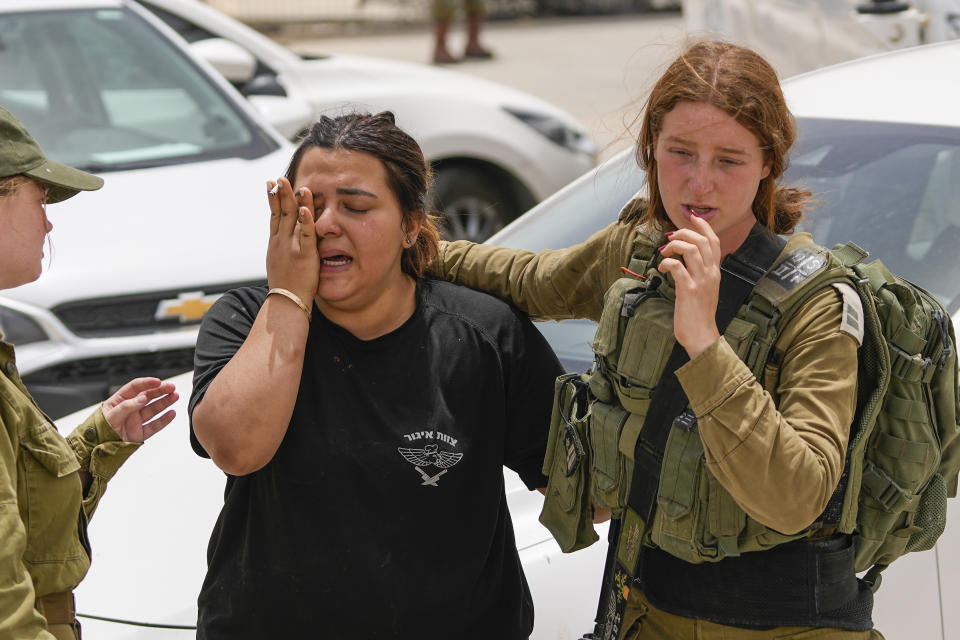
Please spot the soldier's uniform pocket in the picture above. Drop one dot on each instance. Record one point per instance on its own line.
(697, 519)
(51, 490)
(567, 512)
(647, 343)
(613, 437)
(678, 499)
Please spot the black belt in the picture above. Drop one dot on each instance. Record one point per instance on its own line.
(801, 583)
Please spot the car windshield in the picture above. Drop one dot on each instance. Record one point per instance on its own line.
(102, 90)
(894, 189)
(586, 205)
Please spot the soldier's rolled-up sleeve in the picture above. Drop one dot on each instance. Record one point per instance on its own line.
(100, 451)
(780, 459)
(554, 284)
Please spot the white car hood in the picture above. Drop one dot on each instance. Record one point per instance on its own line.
(860, 89)
(187, 232)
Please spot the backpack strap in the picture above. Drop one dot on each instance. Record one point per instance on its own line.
(644, 249)
(740, 272)
(844, 263)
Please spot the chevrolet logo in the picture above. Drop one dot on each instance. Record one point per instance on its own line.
(187, 307)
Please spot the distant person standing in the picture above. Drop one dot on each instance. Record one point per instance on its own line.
(443, 12)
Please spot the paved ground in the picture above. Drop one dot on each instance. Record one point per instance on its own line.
(598, 69)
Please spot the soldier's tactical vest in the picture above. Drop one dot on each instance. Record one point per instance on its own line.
(892, 492)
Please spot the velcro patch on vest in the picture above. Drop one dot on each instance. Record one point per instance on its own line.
(796, 268)
(852, 320)
(799, 266)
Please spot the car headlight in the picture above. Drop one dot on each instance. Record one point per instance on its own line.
(18, 328)
(555, 130)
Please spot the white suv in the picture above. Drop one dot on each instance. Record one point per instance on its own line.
(496, 151)
(106, 86)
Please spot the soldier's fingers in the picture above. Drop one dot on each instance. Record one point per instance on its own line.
(158, 406)
(117, 415)
(135, 386)
(131, 390)
(706, 231)
(689, 251)
(158, 389)
(698, 238)
(676, 269)
(151, 428)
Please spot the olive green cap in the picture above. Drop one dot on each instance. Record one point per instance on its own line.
(21, 155)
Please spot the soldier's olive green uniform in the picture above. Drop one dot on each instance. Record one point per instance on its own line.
(650, 622)
(776, 446)
(445, 10)
(44, 551)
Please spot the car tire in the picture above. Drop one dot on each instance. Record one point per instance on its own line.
(471, 204)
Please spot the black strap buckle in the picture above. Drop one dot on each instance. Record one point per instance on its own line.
(576, 410)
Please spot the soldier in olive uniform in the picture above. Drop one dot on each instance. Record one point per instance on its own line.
(442, 12)
(49, 486)
(761, 457)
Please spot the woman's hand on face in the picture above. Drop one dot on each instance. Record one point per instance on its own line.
(139, 408)
(293, 262)
(692, 258)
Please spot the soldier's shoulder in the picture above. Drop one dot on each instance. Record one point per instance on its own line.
(468, 304)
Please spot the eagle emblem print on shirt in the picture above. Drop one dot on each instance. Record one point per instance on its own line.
(431, 461)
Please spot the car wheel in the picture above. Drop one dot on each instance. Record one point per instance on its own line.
(472, 205)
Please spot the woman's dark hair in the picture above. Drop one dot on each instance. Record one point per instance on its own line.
(408, 173)
(743, 85)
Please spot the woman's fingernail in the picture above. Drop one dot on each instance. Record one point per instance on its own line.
(300, 192)
(660, 249)
(670, 233)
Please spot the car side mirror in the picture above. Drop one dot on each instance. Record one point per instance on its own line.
(289, 116)
(264, 84)
(232, 61)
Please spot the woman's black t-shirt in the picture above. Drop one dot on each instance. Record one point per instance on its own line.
(383, 512)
